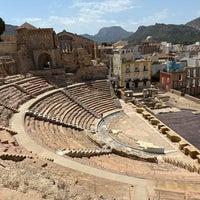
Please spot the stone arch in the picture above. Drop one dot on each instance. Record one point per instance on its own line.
(44, 61)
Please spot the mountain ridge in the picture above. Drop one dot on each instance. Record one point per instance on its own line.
(176, 34)
(109, 34)
(10, 30)
(195, 23)
(185, 33)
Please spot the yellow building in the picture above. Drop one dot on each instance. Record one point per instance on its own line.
(131, 73)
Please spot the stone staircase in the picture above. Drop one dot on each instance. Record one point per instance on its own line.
(13, 157)
(12, 132)
(95, 114)
(79, 153)
(9, 107)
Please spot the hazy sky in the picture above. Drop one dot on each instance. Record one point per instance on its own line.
(88, 16)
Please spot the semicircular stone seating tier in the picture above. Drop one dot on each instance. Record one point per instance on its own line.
(71, 107)
(96, 96)
(10, 99)
(62, 108)
(35, 85)
(56, 137)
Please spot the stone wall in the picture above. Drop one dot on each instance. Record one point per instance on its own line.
(41, 49)
(8, 47)
(69, 41)
(191, 98)
(37, 38)
(7, 66)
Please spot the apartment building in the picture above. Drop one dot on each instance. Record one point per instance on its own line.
(130, 71)
(186, 79)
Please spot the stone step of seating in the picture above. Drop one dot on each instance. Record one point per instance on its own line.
(52, 119)
(22, 90)
(191, 151)
(79, 153)
(139, 110)
(81, 104)
(13, 157)
(154, 121)
(173, 136)
(12, 132)
(195, 167)
(9, 107)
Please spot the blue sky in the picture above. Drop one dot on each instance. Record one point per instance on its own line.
(88, 16)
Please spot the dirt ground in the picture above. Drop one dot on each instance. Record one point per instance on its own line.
(38, 178)
(42, 179)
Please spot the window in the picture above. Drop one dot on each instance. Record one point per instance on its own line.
(136, 69)
(163, 80)
(193, 82)
(127, 69)
(194, 72)
(66, 48)
(180, 77)
(168, 80)
(127, 79)
(145, 68)
(188, 73)
(188, 84)
(145, 79)
(191, 73)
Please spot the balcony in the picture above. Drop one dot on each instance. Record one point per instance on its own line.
(136, 70)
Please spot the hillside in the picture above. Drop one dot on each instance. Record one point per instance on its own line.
(176, 34)
(10, 30)
(185, 34)
(109, 34)
(194, 23)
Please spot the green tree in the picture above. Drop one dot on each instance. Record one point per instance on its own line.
(2, 27)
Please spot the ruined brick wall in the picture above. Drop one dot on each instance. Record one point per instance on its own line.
(8, 66)
(91, 73)
(24, 59)
(37, 38)
(38, 42)
(74, 41)
(8, 45)
(39, 49)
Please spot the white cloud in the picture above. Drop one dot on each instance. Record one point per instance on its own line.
(88, 16)
(104, 5)
(93, 11)
(61, 20)
(56, 22)
(82, 16)
(155, 18)
(34, 19)
(91, 15)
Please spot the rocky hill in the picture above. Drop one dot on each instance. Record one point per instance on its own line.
(185, 34)
(194, 23)
(10, 30)
(105, 35)
(166, 32)
(109, 34)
